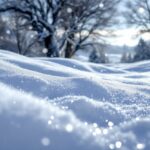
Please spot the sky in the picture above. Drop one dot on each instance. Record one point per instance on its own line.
(127, 36)
(124, 36)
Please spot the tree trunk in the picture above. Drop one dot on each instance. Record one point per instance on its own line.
(68, 50)
(51, 46)
(69, 47)
(18, 37)
(19, 43)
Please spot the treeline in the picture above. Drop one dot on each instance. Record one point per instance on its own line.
(141, 52)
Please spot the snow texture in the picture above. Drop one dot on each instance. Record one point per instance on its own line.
(61, 104)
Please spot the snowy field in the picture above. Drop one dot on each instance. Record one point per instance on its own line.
(59, 104)
(114, 58)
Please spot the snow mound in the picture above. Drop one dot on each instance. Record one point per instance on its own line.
(62, 104)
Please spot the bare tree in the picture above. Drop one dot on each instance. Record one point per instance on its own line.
(138, 14)
(83, 19)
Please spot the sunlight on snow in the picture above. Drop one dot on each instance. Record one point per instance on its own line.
(97, 131)
(49, 122)
(45, 141)
(105, 131)
(140, 146)
(95, 125)
(52, 117)
(69, 128)
(118, 144)
(110, 124)
(112, 146)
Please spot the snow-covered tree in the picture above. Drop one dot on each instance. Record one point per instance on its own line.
(142, 51)
(41, 16)
(130, 58)
(126, 58)
(98, 56)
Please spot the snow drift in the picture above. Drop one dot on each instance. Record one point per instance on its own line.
(60, 104)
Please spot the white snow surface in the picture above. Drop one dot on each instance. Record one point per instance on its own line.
(62, 104)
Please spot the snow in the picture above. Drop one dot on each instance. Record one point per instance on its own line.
(63, 104)
(114, 58)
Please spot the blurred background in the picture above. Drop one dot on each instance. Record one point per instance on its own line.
(99, 31)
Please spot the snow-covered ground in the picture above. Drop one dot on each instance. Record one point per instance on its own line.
(60, 104)
(114, 58)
